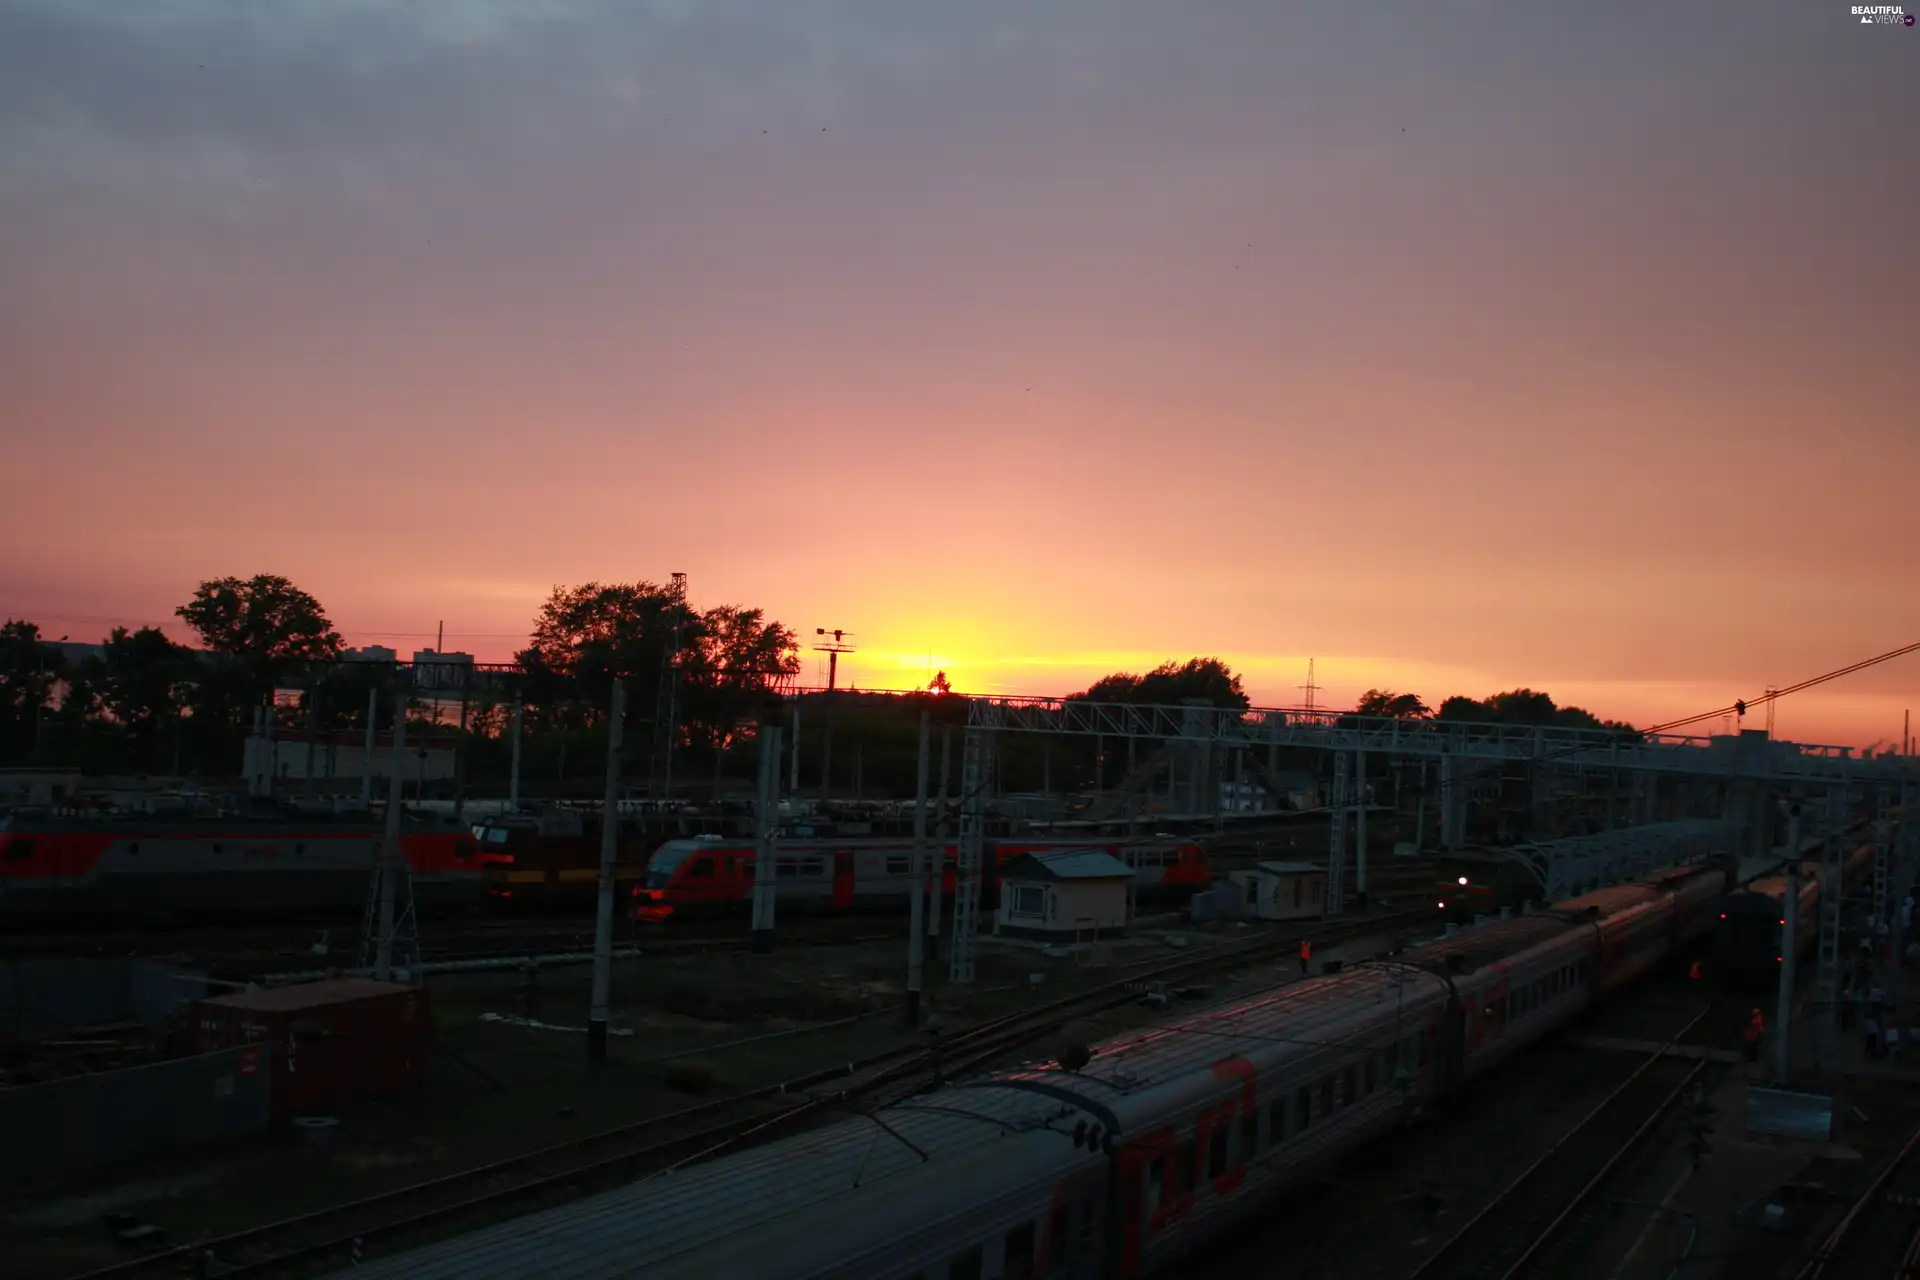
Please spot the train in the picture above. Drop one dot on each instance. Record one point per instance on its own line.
(714, 877)
(1163, 1139)
(61, 866)
(1467, 884)
(1748, 941)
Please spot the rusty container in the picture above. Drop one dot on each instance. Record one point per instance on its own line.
(333, 1042)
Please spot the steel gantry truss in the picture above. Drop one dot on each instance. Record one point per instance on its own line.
(1331, 731)
(1579, 864)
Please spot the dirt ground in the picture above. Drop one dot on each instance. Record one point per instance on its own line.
(510, 1074)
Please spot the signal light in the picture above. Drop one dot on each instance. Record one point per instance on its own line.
(1723, 915)
(1443, 906)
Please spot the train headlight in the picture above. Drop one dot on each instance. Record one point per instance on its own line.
(1463, 879)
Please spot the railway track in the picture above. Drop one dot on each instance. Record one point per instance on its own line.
(1514, 1235)
(1880, 1234)
(413, 1215)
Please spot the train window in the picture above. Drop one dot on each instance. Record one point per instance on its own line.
(703, 867)
(19, 851)
(1302, 1109)
(968, 1265)
(1217, 1153)
(1186, 1170)
(1019, 1253)
(464, 849)
(1496, 1013)
(1156, 1183)
(1349, 1085)
(898, 864)
(814, 866)
(1370, 1075)
(216, 846)
(134, 848)
(1277, 1122)
(786, 867)
(1326, 1096)
(1249, 1133)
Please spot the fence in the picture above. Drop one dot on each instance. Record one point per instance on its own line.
(42, 996)
(64, 1128)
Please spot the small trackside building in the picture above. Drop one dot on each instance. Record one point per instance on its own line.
(1063, 895)
(1282, 891)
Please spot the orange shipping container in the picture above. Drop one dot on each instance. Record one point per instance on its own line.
(333, 1041)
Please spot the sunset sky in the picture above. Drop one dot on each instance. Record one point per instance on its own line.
(1458, 345)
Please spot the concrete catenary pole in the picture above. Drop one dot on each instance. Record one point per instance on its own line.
(1789, 940)
(767, 846)
(938, 872)
(513, 767)
(366, 757)
(390, 855)
(917, 912)
(793, 769)
(609, 841)
(1360, 824)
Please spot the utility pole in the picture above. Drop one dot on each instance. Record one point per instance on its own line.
(1789, 929)
(938, 888)
(767, 821)
(665, 709)
(1310, 688)
(917, 912)
(603, 918)
(390, 855)
(460, 760)
(793, 773)
(513, 766)
(366, 757)
(842, 642)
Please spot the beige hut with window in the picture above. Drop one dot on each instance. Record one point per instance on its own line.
(1282, 891)
(1063, 895)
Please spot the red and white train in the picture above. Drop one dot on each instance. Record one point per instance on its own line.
(709, 876)
(1169, 1136)
(148, 865)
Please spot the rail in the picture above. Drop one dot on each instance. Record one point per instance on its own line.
(1848, 1230)
(554, 1174)
(1486, 1245)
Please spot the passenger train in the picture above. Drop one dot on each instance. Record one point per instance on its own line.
(1169, 1136)
(707, 877)
(146, 865)
(1748, 941)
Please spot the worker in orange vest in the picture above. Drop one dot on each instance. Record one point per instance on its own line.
(1306, 954)
(1756, 1027)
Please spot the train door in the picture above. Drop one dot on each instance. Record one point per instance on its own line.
(1449, 1045)
(843, 879)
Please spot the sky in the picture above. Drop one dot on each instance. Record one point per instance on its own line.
(1457, 345)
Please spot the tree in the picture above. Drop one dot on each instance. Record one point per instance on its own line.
(1170, 684)
(1398, 706)
(265, 621)
(1528, 708)
(30, 668)
(584, 636)
(737, 657)
(939, 684)
(143, 679)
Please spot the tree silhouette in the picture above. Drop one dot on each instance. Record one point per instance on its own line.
(939, 684)
(1399, 706)
(1170, 684)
